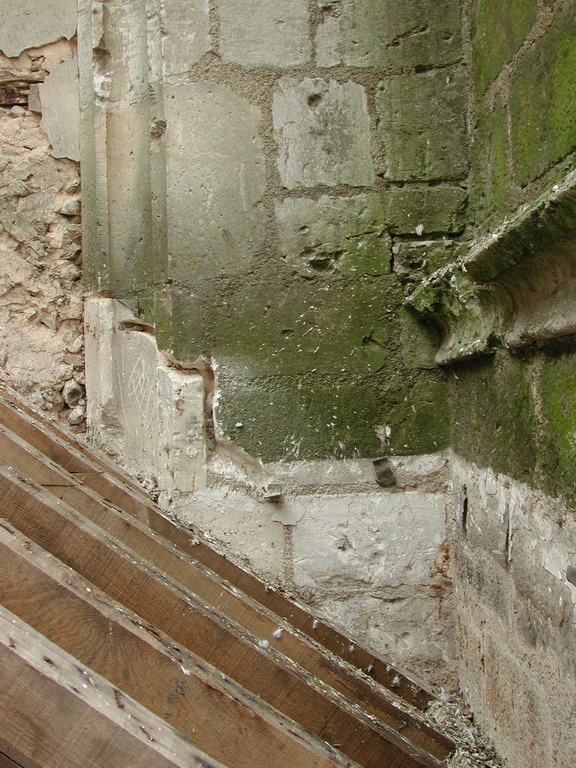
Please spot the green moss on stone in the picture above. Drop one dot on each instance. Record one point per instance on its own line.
(558, 398)
(493, 414)
(490, 182)
(498, 32)
(543, 99)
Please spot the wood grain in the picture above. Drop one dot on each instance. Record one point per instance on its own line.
(114, 486)
(210, 710)
(58, 714)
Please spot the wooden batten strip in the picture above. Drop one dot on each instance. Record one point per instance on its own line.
(206, 707)
(192, 623)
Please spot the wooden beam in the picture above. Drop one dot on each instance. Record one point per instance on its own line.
(189, 621)
(216, 593)
(56, 713)
(206, 707)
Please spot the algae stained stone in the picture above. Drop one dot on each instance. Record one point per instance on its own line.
(345, 234)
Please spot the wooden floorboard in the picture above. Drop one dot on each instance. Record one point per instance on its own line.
(102, 479)
(55, 713)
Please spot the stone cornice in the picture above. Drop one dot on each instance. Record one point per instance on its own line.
(513, 288)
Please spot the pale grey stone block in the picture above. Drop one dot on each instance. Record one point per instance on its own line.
(61, 110)
(215, 180)
(265, 32)
(322, 129)
(29, 23)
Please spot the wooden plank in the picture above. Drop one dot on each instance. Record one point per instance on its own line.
(80, 720)
(7, 762)
(131, 499)
(225, 599)
(210, 710)
(247, 659)
(62, 446)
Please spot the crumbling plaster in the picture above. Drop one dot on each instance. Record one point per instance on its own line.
(41, 302)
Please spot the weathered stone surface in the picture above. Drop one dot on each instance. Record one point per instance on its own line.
(489, 173)
(543, 99)
(422, 124)
(242, 524)
(516, 610)
(215, 180)
(425, 210)
(380, 540)
(41, 345)
(345, 234)
(265, 32)
(153, 418)
(61, 110)
(29, 24)
(322, 130)
(383, 33)
(412, 260)
(497, 36)
(186, 34)
(340, 327)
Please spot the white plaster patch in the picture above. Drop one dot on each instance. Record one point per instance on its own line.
(30, 23)
(61, 110)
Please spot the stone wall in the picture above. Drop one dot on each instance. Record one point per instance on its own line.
(367, 556)
(521, 103)
(258, 191)
(508, 318)
(514, 588)
(41, 344)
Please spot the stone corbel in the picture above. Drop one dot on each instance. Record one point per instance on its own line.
(515, 288)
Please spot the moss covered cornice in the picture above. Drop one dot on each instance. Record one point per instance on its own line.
(515, 287)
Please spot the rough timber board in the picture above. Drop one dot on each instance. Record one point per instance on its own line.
(203, 631)
(215, 714)
(80, 719)
(61, 446)
(218, 594)
(105, 480)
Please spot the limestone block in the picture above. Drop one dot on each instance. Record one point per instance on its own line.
(30, 24)
(411, 629)
(322, 129)
(215, 180)
(542, 99)
(265, 32)
(414, 259)
(343, 234)
(150, 415)
(425, 210)
(186, 34)
(61, 110)
(385, 33)
(422, 124)
(384, 540)
(496, 36)
(239, 522)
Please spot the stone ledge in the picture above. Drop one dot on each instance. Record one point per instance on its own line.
(513, 288)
